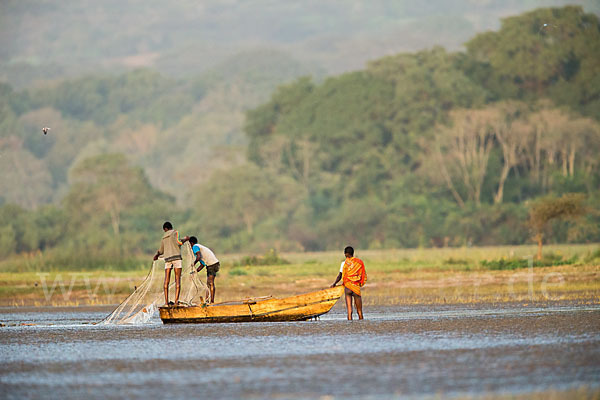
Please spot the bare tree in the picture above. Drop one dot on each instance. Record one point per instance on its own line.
(583, 139)
(463, 151)
(512, 134)
(442, 162)
(590, 160)
(544, 143)
(559, 138)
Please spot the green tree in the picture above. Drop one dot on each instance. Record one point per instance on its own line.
(20, 232)
(7, 241)
(25, 178)
(552, 52)
(238, 200)
(541, 212)
(103, 188)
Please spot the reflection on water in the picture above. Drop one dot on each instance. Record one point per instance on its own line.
(410, 351)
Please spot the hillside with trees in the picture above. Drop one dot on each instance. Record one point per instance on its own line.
(43, 40)
(428, 148)
(433, 147)
(191, 125)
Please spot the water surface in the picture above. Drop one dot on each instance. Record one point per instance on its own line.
(402, 351)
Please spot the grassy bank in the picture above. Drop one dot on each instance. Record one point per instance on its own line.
(411, 276)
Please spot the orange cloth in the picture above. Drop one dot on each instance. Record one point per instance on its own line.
(354, 274)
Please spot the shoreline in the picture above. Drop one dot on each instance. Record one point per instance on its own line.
(395, 277)
(550, 304)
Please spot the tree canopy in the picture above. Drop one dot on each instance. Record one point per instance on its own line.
(430, 148)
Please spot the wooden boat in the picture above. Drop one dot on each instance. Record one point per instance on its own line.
(295, 308)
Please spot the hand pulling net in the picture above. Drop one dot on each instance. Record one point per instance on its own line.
(142, 304)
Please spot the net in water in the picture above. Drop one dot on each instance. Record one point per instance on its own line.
(143, 303)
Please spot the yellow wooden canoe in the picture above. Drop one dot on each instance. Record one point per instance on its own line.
(295, 308)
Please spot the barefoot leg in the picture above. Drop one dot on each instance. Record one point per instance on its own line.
(348, 293)
(166, 285)
(210, 280)
(358, 303)
(177, 283)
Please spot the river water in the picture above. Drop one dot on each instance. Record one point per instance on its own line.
(404, 352)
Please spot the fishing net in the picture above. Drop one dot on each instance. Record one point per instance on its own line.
(143, 303)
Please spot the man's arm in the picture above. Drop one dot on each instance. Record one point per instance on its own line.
(199, 259)
(183, 240)
(160, 251)
(339, 277)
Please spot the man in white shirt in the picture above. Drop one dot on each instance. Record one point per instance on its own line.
(206, 258)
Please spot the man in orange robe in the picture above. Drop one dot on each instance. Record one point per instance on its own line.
(353, 276)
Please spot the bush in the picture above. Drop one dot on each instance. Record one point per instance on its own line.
(270, 258)
(456, 261)
(237, 271)
(64, 261)
(595, 255)
(516, 263)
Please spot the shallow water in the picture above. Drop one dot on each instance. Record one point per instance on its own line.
(408, 351)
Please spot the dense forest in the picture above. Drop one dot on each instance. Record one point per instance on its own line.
(429, 148)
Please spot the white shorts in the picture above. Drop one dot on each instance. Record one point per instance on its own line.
(173, 264)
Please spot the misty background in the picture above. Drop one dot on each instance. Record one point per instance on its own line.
(46, 40)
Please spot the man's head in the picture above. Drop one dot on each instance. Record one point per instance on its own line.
(193, 240)
(167, 226)
(349, 251)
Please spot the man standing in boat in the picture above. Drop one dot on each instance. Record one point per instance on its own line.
(353, 276)
(170, 249)
(206, 258)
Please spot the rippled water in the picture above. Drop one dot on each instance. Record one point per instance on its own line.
(408, 351)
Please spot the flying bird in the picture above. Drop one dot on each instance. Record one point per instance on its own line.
(45, 130)
(546, 26)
